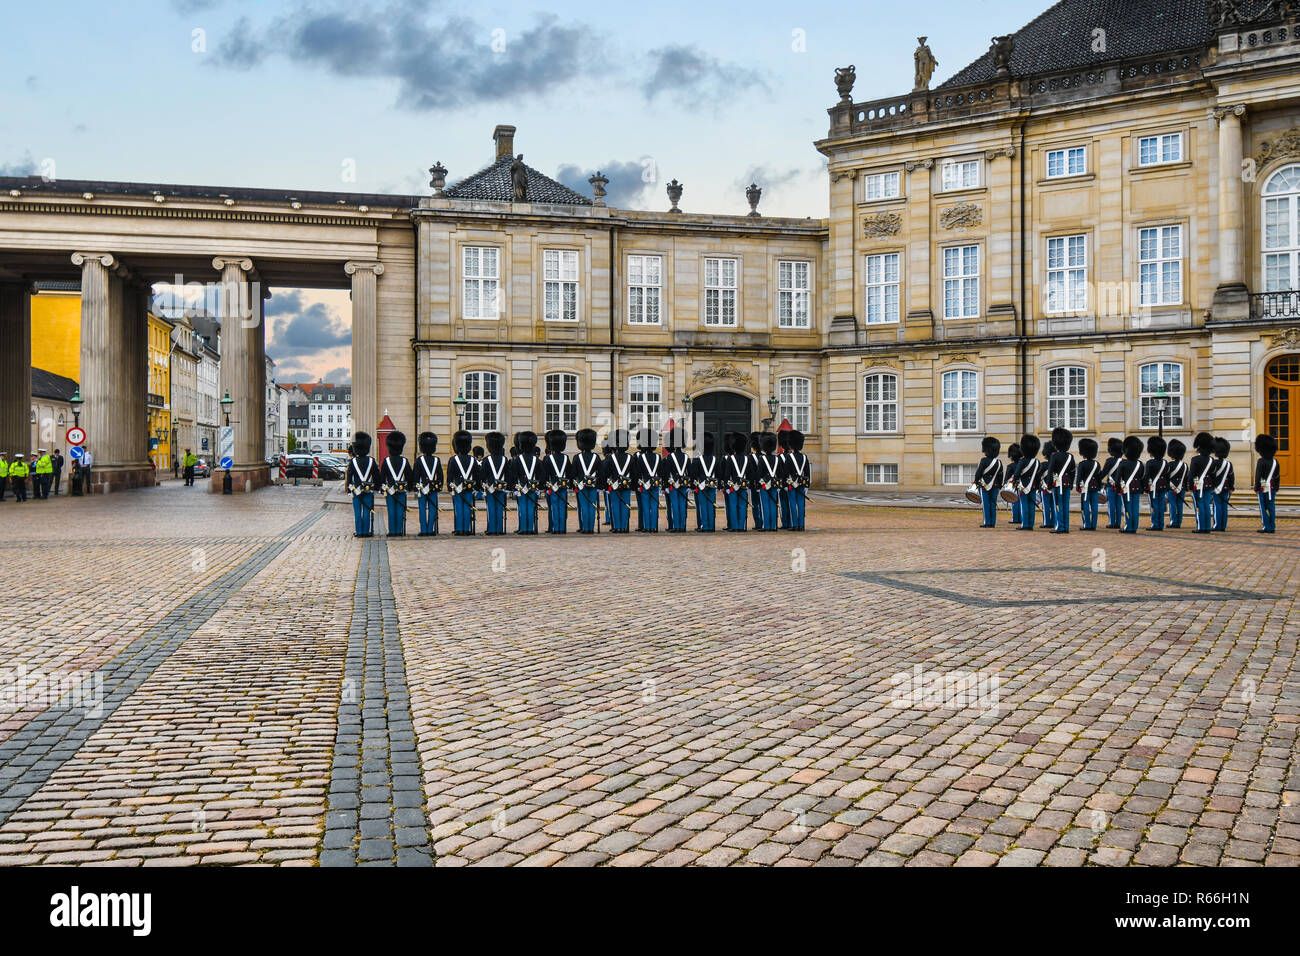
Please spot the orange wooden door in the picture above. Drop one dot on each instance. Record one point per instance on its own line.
(1282, 388)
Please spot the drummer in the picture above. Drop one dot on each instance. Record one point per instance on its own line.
(988, 480)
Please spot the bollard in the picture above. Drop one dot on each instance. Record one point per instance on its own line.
(284, 465)
(315, 466)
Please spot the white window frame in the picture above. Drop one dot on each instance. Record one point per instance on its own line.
(1067, 161)
(960, 408)
(721, 292)
(1280, 210)
(1160, 149)
(1066, 284)
(645, 401)
(1160, 265)
(645, 289)
(1067, 397)
(957, 475)
(1148, 415)
(878, 186)
(480, 284)
(962, 280)
(794, 395)
(880, 288)
(482, 412)
(957, 174)
(888, 473)
(793, 294)
(560, 401)
(560, 285)
(882, 404)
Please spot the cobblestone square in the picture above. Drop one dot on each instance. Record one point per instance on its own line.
(189, 679)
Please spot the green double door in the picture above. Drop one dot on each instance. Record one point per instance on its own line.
(717, 413)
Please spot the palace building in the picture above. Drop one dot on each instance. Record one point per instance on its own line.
(1096, 224)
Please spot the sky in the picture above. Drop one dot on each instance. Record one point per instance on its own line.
(365, 96)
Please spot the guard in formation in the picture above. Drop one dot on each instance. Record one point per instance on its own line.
(771, 473)
(1027, 482)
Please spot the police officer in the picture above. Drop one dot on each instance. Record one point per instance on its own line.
(44, 474)
(188, 462)
(4, 474)
(363, 475)
(57, 460)
(584, 478)
(428, 482)
(18, 477)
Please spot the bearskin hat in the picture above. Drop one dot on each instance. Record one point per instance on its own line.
(463, 441)
(645, 439)
(496, 443)
(708, 443)
(586, 439)
(1266, 445)
(768, 441)
(1204, 443)
(1062, 438)
(1088, 448)
(796, 439)
(1014, 452)
(1114, 447)
(1176, 450)
(991, 447)
(556, 440)
(1029, 445)
(755, 441)
(1132, 448)
(528, 443)
(1222, 447)
(619, 439)
(672, 438)
(783, 439)
(361, 442)
(428, 443)
(1048, 446)
(1156, 446)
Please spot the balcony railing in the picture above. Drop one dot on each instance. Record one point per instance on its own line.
(1275, 305)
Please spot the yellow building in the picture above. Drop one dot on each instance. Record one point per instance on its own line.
(56, 329)
(158, 394)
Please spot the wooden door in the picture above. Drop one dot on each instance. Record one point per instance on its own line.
(1282, 393)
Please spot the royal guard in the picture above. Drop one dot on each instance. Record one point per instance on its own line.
(363, 476)
(649, 476)
(1225, 482)
(1009, 492)
(1157, 482)
(754, 449)
(462, 482)
(769, 475)
(428, 482)
(737, 475)
(1060, 477)
(1027, 479)
(1267, 480)
(584, 478)
(396, 475)
(1088, 482)
(798, 476)
(1199, 473)
(526, 479)
(618, 480)
(494, 481)
(1130, 478)
(704, 479)
(605, 449)
(555, 481)
(783, 496)
(988, 479)
(1114, 503)
(676, 480)
(1177, 483)
(1045, 496)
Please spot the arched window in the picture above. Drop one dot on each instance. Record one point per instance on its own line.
(482, 401)
(1281, 241)
(560, 408)
(795, 396)
(645, 401)
(880, 402)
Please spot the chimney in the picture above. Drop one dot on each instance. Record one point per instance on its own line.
(504, 137)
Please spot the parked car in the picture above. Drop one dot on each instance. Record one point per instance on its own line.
(300, 466)
(202, 470)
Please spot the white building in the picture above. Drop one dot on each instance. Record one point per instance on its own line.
(208, 414)
(330, 417)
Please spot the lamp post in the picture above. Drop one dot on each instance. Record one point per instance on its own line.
(772, 406)
(687, 424)
(460, 404)
(76, 401)
(227, 488)
(1162, 402)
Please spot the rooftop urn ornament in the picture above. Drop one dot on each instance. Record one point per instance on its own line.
(598, 184)
(1002, 49)
(519, 178)
(1225, 13)
(437, 177)
(674, 195)
(844, 79)
(754, 193)
(925, 64)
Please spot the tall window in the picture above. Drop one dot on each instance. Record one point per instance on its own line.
(560, 279)
(482, 401)
(882, 288)
(795, 395)
(1160, 265)
(961, 282)
(1067, 397)
(1282, 230)
(1067, 273)
(644, 286)
(1153, 380)
(792, 294)
(719, 291)
(560, 407)
(1067, 162)
(881, 186)
(961, 406)
(645, 401)
(880, 402)
(961, 175)
(481, 275)
(1165, 148)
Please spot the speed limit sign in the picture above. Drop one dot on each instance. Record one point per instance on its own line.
(76, 435)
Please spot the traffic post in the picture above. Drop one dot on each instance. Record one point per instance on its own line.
(226, 444)
(315, 467)
(76, 453)
(284, 467)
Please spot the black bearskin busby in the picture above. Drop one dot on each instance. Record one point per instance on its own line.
(1114, 447)
(463, 441)
(586, 439)
(991, 446)
(528, 443)
(645, 439)
(428, 443)
(496, 443)
(783, 439)
(1222, 447)
(1176, 450)
(1266, 445)
(619, 439)
(1132, 448)
(708, 443)
(768, 441)
(361, 443)
(396, 444)
(1156, 446)
(1204, 443)
(1062, 438)
(1014, 453)
(556, 440)
(1048, 446)
(1088, 448)
(1029, 445)
(672, 439)
(755, 441)
(796, 440)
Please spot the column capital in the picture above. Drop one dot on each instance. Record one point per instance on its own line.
(353, 266)
(838, 174)
(919, 164)
(1008, 151)
(1223, 112)
(106, 259)
(242, 262)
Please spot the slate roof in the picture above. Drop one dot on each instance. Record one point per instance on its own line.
(493, 183)
(48, 385)
(1061, 38)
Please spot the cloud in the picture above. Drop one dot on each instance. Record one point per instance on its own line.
(283, 303)
(240, 48)
(628, 187)
(692, 76)
(32, 83)
(304, 332)
(23, 167)
(338, 376)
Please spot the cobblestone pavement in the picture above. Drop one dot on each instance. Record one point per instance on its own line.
(238, 680)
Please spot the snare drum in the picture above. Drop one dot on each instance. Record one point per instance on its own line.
(973, 495)
(1009, 495)
(1102, 496)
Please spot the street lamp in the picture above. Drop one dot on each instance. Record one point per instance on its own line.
(772, 406)
(227, 488)
(1162, 403)
(460, 404)
(76, 401)
(687, 425)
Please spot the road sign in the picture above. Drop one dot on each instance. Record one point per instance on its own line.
(226, 442)
(75, 452)
(227, 462)
(76, 435)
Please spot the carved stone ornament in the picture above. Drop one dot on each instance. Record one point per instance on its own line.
(838, 174)
(1008, 151)
(965, 215)
(844, 79)
(1287, 338)
(1288, 144)
(919, 164)
(1220, 112)
(882, 226)
(720, 372)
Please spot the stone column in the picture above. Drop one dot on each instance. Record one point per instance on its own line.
(243, 372)
(1231, 297)
(15, 365)
(365, 344)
